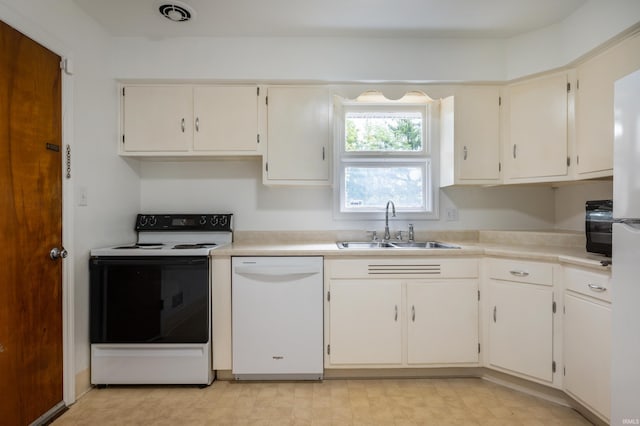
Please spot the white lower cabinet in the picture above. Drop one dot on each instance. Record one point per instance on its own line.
(365, 322)
(442, 322)
(521, 319)
(393, 321)
(587, 339)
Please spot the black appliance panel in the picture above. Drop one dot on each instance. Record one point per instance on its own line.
(149, 299)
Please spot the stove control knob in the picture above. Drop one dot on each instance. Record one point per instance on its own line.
(152, 221)
(143, 220)
(223, 221)
(203, 220)
(214, 221)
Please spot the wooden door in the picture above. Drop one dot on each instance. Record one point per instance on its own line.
(30, 226)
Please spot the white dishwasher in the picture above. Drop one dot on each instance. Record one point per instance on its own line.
(277, 318)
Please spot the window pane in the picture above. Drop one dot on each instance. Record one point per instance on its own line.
(370, 187)
(383, 131)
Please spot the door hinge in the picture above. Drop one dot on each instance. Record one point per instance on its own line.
(564, 371)
(257, 91)
(577, 84)
(553, 367)
(266, 100)
(258, 137)
(266, 167)
(568, 87)
(577, 160)
(553, 307)
(67, 66)
(328, 349)
(328, 296)
(568, 161)
(499, 100)
(123, 138)
(478, 347)
(478, 294)
(499, 166)
(123, 91)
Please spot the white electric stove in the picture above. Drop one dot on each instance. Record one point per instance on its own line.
(150, 301)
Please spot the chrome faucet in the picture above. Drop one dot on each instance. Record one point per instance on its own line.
(387, 234)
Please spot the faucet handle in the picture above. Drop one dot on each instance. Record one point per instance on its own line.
(374, 236)
(399, 235)
(411, 233)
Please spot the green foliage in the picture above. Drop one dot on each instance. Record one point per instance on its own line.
(372, 134)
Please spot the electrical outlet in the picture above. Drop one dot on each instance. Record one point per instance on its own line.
(452, 214)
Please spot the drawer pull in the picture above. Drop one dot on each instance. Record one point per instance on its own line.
(519, 273)
(495, 309)
(413, 313)
(395, 318)
(597, 288)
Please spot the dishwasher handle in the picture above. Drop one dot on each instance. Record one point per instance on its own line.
(275, 271)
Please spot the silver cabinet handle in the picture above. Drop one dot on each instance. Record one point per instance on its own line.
(57, 253)
(465, 153)
(597, 288)
(197, 124)
(519, 273)
(514, 150)
(323, 153)
(395, 318)
(413, 313)
(182, 125)
(495, 309)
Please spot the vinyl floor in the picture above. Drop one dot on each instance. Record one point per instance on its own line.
(331, 402)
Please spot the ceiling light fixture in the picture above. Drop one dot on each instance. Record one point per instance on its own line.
(176, 11)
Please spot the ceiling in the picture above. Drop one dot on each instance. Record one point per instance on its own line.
(352, 18)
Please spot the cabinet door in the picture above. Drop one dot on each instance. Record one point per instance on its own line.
(157, 118)
(477, 133)
(226, 118)
(537, 144)
(298, 134)
(587, 352)
(594, 106)
(521, 328)
(365, 322)
(442, 322)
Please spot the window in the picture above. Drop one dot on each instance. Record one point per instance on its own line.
(383, 153)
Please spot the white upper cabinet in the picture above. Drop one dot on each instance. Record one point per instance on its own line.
(226, 118)
(298, 136)
(470, 136)
(536, 148)
(156, 119)
(594, 106)
(185, 120)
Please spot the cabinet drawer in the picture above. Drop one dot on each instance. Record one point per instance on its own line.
(434, 267)
(521, 271)
(589, 283)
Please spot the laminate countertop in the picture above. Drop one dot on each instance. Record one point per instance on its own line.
(559, 247)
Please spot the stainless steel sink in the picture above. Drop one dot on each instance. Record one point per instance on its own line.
(424, 245)
(395, 244)
(363, 244)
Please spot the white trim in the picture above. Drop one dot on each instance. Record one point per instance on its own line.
(41, 36)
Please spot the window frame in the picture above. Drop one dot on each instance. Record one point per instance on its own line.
(426, 158)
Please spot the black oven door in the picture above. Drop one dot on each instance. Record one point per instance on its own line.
(162, 299)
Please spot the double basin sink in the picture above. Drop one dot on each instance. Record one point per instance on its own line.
(395, 245)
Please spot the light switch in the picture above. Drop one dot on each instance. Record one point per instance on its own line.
(83, 196)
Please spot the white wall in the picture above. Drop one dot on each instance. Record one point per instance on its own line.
(236, 187)
(90, 108)
(569, 202)
(559, 44)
